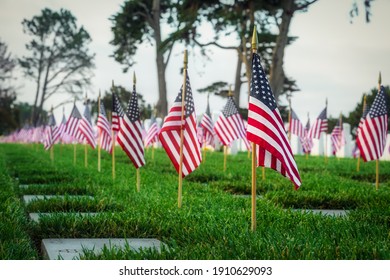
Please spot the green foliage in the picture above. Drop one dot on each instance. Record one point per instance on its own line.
(214, 221)
(59, 58)
(124, 97)
(353, 118)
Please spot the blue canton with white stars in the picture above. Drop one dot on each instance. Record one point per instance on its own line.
(230, 108)
(52, 120)
(260, 88)
(116, 106)
(379, 107)
(102, 110)
(87, 113)
(132, 108)
(189, 106)
(75, 113)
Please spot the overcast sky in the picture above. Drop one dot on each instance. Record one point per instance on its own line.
(331, 58)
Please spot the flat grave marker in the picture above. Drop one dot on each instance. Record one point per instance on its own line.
(36, 216)
(72, 248)
(29, 198)
(324, 212)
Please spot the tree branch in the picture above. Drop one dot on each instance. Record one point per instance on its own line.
(213, 44)
(304, 6)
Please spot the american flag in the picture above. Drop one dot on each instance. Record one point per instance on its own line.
(170, 133)
(355, 151)
(307, 142)
(52, 132)
(320, 125)
(152, 134)
(372, 133)
(229, 125)
(266, 129)
(72, 125)
(104, 130)
(61, 128)
(117, 113)
(337, 137)
(130, 132)
(206, 124)
(296, 127)
(85, 127)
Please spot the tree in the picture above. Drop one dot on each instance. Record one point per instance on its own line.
(239, 18)
(7, 91)
(140, 21)
(124, 95)
(354, 117)
(59, 59)
(354, 12)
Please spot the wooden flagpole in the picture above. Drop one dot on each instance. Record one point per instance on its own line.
(341, 131)
(100, 138)
(113, 137)
(254, 193)
(52, 153)
(377, 161)
(307, 153)
(224, 158)
(364, 108)
(52, 145)
(85, 154)
(85, 141)
(113, 152)
(138, 175)
(326, 134)
(183, 95)
(74, 154)
(289, 119)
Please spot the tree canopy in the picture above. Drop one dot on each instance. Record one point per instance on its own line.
(59, 59)
(139, 22)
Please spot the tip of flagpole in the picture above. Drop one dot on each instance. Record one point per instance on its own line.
(380, 78)
(185, 60)
(134, 78)
(254, 39)
(230, 91)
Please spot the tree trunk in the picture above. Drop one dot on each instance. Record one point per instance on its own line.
(238, 81)
(34, 108)
(276, 71)
(162, 105)
(43, 96)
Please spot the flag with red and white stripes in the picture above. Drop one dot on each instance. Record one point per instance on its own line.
(52, 133)
(130, 132)
(85, 127)
(307, 142)
(319, 126)
(266, 129)
(104, 130)
(229, 125)
(337, 138)
(170, 133)
(72, 124)
(206, 123)
(117, 113)
(296, 127)
(372, 133)
(152, 134)
(62, 128)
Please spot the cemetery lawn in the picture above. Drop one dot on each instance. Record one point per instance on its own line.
(214, 221)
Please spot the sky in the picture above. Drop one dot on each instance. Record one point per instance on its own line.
(331, 58)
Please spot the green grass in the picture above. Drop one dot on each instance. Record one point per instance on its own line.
(213, 223)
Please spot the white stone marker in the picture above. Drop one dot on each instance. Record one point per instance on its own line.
(325, 212)
(72, 249)
(36, 216)
(28, 198)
